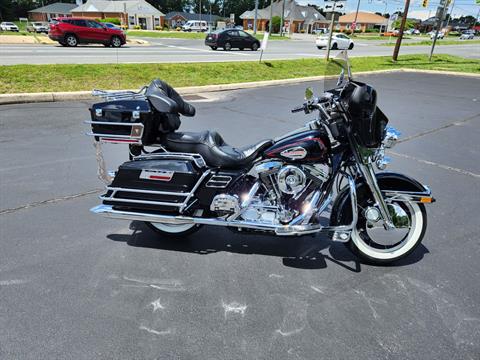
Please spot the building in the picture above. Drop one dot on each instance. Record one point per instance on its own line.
(365, 21)
(297, 18)
(177, 19)
(130, 12)
(45, 13)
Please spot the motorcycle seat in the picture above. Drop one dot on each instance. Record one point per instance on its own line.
(165, 99)
(213, 148)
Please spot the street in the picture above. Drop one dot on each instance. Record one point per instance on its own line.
(77, 286)
(186, 50)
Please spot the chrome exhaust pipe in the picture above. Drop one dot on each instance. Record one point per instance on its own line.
(285, 230)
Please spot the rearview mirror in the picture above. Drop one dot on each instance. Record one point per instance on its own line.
(308, 93)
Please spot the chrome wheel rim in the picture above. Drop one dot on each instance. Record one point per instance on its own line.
(116, 42)
(71, 41)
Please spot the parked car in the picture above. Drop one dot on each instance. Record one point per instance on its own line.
(194, 25)
(467, 35)
(9, 26)
(74, 31)
(441, 34)
(321, 31)
(112, 26)
(339, 41)
(38, 27)
(231, 38)
(412, 32)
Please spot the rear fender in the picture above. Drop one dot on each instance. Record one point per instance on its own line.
(393, 186)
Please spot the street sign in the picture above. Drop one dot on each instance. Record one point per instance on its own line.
(440, 15)
(331, 6)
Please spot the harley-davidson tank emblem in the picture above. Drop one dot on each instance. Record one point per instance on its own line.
(159, 175)
(294, 153)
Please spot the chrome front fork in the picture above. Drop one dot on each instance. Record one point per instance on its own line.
(371, 180)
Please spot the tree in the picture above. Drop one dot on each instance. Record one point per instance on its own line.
(409, 24)
(166, 6)
(276, 20)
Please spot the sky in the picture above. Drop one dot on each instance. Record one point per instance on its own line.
(461, 7)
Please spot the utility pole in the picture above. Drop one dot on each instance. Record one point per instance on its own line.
(200, 12)
(356, 15)
(270, 27)
(439, 26)
(282, 20)
(330, 32)
(451, 12)
(400, 33)
(255, 17)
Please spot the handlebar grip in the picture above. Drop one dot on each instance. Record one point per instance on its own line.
(298, 109)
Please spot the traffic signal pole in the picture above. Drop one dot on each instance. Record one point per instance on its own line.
(400, 33)
(439, 27)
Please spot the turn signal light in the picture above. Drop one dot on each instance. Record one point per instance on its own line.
(426, 200)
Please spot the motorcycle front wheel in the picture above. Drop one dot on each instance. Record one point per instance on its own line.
(370, 241)
(373, 243)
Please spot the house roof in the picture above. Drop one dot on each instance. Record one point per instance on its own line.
(363, 18)
(55, 8)
(293, 12)
(191, 16)
(131, 6)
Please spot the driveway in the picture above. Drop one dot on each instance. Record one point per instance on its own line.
(77, 286)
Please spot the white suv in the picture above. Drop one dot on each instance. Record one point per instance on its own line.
(194, 25)
(8, 26)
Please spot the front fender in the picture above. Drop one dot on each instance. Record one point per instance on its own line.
(392, 185)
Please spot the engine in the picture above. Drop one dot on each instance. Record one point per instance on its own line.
(273, 192)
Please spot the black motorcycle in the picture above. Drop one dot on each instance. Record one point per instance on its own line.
(286, 187)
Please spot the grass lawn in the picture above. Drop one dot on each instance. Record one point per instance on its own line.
(39, 78)
(187, 35)
(166, 34)
(439, 42)
(375, 37)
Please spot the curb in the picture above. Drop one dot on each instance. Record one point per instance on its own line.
(21, 98)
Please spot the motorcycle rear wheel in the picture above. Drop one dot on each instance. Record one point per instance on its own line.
(177, 231)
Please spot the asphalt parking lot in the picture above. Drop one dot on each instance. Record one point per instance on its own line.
(187, 50)
(76, 286)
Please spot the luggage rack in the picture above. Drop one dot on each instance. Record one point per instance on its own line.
(120, 95)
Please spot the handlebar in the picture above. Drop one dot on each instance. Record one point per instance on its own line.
(312, 105)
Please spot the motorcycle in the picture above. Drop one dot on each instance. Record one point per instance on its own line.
(284, 187)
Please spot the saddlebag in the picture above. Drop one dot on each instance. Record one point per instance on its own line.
(158, 182)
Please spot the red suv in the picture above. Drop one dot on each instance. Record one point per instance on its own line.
(74, 31)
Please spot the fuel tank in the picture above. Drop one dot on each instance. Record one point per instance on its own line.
(304, 147)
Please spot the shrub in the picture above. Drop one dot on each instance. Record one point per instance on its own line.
(166, 28)
(302, 31)
(348, 32)
(276, 24)
(137, 27)
(115, 21)
(159, 28)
